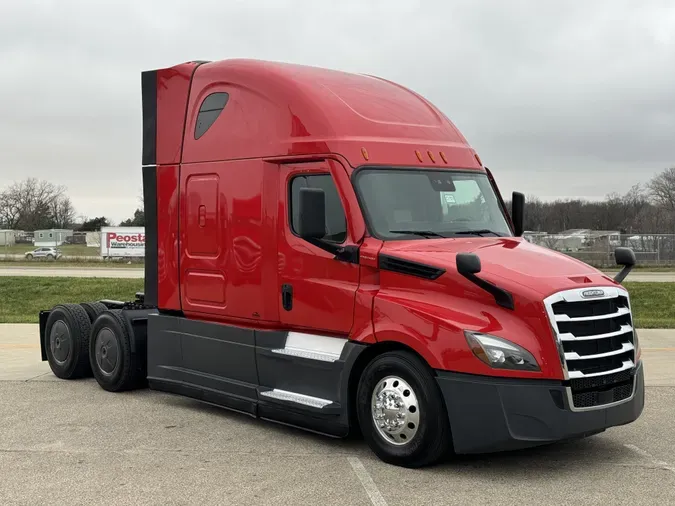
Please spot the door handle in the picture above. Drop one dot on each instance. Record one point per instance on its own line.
(287, 297)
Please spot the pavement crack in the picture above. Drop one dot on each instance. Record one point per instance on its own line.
(651, 467)
(656, 464)
(152, 451)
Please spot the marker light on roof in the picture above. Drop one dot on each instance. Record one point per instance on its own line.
(431, 155)
(419, 155)
(364, 152)
(443, 157)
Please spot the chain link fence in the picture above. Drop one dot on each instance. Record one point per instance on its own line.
(64, 245)
(598, 250)
(594, 249)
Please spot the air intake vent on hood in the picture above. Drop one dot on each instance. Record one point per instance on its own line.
(409, 267)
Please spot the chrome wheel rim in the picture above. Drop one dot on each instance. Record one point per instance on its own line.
(395, 410)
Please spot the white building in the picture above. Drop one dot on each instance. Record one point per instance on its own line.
(51, 237)
(7, 237)
(93, 239)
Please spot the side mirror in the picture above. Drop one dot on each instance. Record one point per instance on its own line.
(468, 263)
(312, 211)
(625, 257)
(518, 213)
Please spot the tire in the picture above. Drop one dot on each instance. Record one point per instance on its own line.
(29, 257)
(50, 257)
(428, 439)
(115, 368)
(93, 309)
(67, 341)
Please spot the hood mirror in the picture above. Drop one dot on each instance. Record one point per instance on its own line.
(625, 257)
(468, 265)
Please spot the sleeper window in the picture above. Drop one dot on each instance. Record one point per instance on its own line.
(336, 223)
(209, 111)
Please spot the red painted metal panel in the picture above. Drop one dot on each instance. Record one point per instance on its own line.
(167, 237)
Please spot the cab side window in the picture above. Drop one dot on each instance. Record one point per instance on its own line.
(336, 223)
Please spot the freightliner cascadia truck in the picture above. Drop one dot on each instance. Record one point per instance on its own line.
(326, 250)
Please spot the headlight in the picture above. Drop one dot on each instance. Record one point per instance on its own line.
(500, 353)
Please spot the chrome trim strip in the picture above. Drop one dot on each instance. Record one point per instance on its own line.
(564, 318)
(285, 395)
(574, 295)
(627, 364)
(573, 355)
(570, 400)
(568, 336)
(311, 355)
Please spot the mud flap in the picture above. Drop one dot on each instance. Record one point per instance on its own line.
(43, 324)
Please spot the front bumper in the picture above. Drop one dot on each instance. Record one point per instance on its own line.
(496, 414)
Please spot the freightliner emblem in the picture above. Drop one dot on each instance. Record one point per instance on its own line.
(587, 294)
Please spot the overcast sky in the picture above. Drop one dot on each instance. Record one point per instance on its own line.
(560, 99)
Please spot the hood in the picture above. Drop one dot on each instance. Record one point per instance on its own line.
(507, 261)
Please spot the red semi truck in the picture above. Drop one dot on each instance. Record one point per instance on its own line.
(326, 250)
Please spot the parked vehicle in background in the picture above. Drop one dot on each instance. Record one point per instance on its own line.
(48, 253)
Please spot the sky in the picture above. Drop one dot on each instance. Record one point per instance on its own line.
(560, 99)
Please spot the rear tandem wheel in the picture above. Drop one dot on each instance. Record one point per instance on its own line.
(94, 309)
(113, 364)
(67, 341)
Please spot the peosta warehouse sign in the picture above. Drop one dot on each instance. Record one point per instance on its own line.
(123, 242)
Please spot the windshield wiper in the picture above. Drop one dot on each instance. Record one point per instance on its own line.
(476, 232)
(423, 233)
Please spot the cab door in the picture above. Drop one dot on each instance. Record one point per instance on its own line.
(316, 291)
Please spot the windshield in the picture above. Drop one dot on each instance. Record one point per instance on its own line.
(416, 203)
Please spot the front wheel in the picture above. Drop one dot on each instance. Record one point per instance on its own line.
(401, 411)
(29, 257)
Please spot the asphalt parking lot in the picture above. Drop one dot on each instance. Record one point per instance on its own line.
(70, 442)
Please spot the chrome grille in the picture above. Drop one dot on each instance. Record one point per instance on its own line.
(596, 340)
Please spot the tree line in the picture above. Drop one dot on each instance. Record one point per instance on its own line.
(648, 208)
(645, 208)
(34, 204)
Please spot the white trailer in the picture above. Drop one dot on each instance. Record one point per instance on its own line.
(123, 242)
(7, 237)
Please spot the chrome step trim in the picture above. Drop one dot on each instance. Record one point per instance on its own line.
(571, 337)
(573, 355)
(628, 364)
(311, 355)
(306, 400)
(312, 346)
(564, 318)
